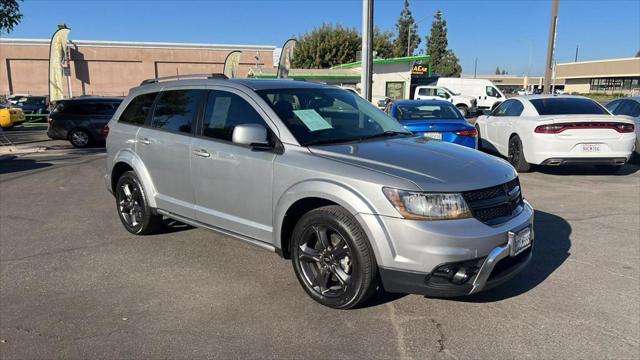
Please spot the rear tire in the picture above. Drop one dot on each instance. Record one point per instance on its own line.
(133, 208)
(516, 155)
(332, 258)
(80, 138)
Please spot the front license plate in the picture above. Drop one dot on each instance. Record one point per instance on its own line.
(520, 241)
(433, 135)
(591, 148)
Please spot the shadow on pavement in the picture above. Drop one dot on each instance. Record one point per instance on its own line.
(381, 297)
(627, 169)
(172, 226)
(551, 249)
(13, 164)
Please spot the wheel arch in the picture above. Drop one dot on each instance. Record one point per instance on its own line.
(127, 160)
(308, 195)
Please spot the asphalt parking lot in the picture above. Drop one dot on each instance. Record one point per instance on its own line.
(75, 284)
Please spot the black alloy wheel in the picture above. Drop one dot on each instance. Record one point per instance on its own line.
(133, 209)
(332, 258)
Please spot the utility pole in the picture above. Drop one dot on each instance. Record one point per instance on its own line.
(367, 47)
(475, 69)
(551, 47)
(576, 59)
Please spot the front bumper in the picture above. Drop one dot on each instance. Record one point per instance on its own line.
(411, 254)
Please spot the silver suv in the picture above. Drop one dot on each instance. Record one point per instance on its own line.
(320, 176)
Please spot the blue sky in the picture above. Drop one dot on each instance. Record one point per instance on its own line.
(499, 33)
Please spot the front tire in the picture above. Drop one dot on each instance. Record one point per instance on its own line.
(463, 110)
(479, 139)
(133, 208)
(332, 258)
(516, 155)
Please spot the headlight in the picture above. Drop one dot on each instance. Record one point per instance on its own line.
(428, 206)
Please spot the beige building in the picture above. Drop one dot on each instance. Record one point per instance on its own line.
(113, 67)
(601, 76)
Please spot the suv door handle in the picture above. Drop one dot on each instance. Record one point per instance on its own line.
(144, 141)
(201, 153)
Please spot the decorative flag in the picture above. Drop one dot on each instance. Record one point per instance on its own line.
(231, 64)
(284, 65)
(57, 57)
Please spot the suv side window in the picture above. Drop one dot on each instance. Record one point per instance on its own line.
(502, 109)
(138, 109)
(176, 110)
(224, 111)
(422, 91)
(515, 109)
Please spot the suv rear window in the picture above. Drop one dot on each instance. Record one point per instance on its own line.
(568, 106)
(87, 107)
(138, 109)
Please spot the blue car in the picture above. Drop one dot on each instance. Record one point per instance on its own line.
(435, 119)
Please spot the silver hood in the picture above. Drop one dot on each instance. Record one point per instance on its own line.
(432, 165)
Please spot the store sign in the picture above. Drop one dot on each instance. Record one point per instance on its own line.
(420, 69)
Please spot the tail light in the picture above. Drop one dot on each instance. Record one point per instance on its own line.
(105, 132)
(471, 132)
(558, 128)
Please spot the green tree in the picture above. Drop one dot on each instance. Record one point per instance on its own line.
(443, 60)
(497, 70)
(326, 46)
(406, 27)
(504, 72)
(382, 43)
(10, 15)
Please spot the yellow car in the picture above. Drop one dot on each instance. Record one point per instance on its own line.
(10, 116)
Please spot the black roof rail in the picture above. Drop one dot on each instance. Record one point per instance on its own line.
(186, 76)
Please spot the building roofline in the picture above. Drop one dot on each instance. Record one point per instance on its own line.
(384, 61)
(138, 44)
(597, 61)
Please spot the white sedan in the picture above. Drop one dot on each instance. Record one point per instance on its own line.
(556, 130)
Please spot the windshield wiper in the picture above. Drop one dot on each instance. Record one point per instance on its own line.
(388, 133)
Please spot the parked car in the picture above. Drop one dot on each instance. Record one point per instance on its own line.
(628, 107)
(33, 104)
(435, 119)
(81, 120)
(556, 130)
(465, 104)
(486, 93)
(322, 177)
(10, 116)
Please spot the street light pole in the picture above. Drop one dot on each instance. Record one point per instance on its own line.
(475, 69)
(551, 47)
(367, 47)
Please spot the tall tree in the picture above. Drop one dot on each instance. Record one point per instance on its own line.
(504, 72)
(326, 46)
(497, 70)
(10, 15)
(407, 39)
(382, 43)
(443, 60)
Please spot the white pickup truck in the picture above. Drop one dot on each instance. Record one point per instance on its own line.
(466, 104)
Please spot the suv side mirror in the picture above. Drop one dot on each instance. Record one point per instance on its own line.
(254, 135)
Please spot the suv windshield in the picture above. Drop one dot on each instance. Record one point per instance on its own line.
(568, 106)
(326, 115)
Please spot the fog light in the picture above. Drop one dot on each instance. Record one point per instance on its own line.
(460, 277)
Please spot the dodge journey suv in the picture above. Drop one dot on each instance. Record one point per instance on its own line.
(320, 176)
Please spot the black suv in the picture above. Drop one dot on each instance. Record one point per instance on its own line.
(33, 105)
(82, 120)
